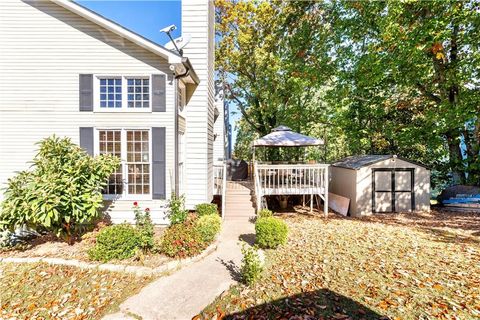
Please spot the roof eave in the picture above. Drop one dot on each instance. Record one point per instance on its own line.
(170, 56)
(186, 62)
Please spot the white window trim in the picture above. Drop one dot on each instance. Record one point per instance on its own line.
(124, 108)
(123, 136)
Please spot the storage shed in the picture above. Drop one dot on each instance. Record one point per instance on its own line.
(381, 184)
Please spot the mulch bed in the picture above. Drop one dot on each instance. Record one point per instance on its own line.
(48, 246)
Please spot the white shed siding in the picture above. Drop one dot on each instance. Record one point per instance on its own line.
(43, 49)
(343, 182)
(198, 20)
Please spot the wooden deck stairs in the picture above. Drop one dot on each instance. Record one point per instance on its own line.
(240, 200)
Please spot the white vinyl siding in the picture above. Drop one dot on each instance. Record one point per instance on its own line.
(43, 49)
(198, 20)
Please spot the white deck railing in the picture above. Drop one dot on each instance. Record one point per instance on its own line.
(291, 179)
(220, 182)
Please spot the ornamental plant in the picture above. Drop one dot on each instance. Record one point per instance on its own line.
(177, 212)
(251, 268)
(182, 240)
(270, 232)
(208, 226)
(119, 241)
(144, 224)
(264, 213)
(203, 209)
(62, 191)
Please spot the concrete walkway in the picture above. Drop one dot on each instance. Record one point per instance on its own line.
(187, 292)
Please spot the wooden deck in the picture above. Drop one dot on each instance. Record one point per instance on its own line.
(290, 179)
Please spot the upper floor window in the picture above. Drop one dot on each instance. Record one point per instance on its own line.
(138, 93)
(122, 93)
(110, 92)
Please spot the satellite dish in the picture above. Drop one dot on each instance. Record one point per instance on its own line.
(179, 42)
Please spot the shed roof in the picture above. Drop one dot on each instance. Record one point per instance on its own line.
(357, 162)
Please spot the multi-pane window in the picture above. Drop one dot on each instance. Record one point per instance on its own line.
(138, 162)
(133, 148)
(138, 93)
(110, 93)
(110, 142)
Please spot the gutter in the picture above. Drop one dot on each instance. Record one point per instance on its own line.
(189, 71)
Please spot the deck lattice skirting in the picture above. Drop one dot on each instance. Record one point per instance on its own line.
(136, 270)
(291, 179)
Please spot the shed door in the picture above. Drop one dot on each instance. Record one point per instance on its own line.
(393, 190)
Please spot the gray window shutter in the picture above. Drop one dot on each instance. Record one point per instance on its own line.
(86, 92)
(158, 163)
(159, 99)
(86, 139)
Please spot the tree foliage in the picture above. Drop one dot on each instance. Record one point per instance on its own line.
(372, 76)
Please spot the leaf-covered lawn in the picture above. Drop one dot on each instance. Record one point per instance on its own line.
(351, 269)
(42, 291)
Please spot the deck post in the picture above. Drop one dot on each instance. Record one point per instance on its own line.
(325, 188)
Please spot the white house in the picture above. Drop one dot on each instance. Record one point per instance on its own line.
(68, 71)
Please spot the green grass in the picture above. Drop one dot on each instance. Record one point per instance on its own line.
(350, 269)
(61, 292)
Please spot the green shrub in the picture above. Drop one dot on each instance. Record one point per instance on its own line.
(209, 226)
(119, 241)
(61, 193)
(6, 240)
(270, 232)
(264, 213)
(251, 267)
(176, 212)
(182, 240)
(204, 209)
(144, 224)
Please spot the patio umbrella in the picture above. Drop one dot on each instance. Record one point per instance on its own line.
(283, 136)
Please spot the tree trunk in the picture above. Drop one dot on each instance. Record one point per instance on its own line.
(455, 158)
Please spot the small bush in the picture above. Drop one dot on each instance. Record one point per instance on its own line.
(264, 213)
(251, 267)
(182, 240)
(6, 239)
(209, 226)
(176, 212)
(204, 209)
(270, 232)
(119, 241)
(144, 225)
